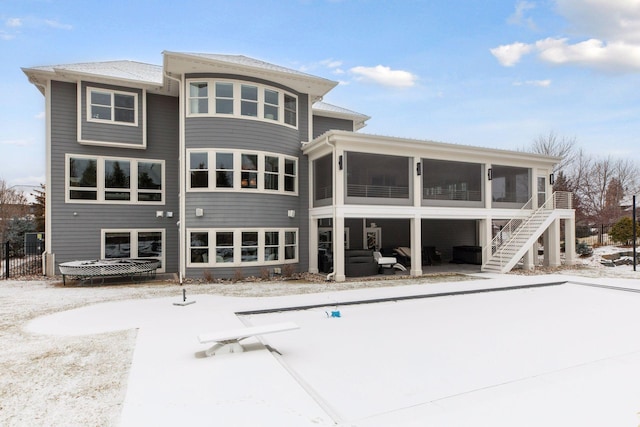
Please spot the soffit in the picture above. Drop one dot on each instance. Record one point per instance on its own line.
(179, 64)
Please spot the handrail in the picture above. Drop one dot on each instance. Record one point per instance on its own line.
(515, 226)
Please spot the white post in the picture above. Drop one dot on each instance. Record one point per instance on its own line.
(570, 241)
(416, 246)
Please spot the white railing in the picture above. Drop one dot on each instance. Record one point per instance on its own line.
(563, 200)
(389, 192)
(516, 226)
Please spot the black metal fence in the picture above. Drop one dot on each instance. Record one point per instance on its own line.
(21, 260)
(598, 235)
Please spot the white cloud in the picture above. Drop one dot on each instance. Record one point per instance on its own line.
(57, 25)
(510, 54)
(13, 22)
(605, 34)
(519, 18)
(537, 83)
(41, 115)
(384, 76)
(6, 36)
(330, 63)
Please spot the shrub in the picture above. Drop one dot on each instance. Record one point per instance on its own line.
(238, 276)
(208, 276)
(622, 231)
(288, 270)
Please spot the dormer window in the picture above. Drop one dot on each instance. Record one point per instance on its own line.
(112, 106)
(252, 101)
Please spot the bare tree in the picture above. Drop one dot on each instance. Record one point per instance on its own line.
(557, 146)
(13, 205)
(602, 184)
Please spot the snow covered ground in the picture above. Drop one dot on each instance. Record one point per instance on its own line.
(126, 355)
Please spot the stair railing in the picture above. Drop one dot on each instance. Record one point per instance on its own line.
(515, 226)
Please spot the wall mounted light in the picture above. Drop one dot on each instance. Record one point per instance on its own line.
(340, 162)
(199, 212)
(490, 174)
(419, 168)
(159, 214)
(291, 213)
(552, 179)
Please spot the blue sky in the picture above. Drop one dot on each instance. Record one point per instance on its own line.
(487, 73)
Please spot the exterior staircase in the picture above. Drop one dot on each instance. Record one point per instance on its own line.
(518, 236)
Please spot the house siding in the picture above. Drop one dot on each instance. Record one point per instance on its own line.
(76, 227)
(258, 210)
(111, 133)
(324, 124)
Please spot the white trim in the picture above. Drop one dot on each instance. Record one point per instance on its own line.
(87, 117)
(112, 93)
(133, 242)
(237, 247)
(237, 101)
(237, 172)
(100, 189)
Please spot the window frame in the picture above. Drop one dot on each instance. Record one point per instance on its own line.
(238, 171)
(283, 111)
(237, 247)
(101, 189)
(133, 243)
(112, 94)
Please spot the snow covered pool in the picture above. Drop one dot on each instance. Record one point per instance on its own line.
(555, 355)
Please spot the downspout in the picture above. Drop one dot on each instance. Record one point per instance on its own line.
(181, 180)
(331, 275)
(49, 267)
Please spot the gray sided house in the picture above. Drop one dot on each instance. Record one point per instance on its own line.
(227, 166)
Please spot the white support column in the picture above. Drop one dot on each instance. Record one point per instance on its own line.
(485, 236)
(313, 245)
(552, 244)
(416, 246)
(338, 248)
(529, 258)
(570, 241)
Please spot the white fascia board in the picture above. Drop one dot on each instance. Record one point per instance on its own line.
(183, 63)
(431, 149)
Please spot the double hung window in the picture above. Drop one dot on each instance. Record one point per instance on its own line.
(112, 106)
(225, 247)
(242, 171)
(199, 98)
(224, 98)
(210, 97)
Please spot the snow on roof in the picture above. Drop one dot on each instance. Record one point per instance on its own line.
(248, 62)
(124, 70)
(330, 108)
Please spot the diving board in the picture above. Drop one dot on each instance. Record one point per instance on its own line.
(229, 341)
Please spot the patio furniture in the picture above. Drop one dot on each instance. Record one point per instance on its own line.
(229, 341)
(467, 255)
(101, 268)
(359, 263)
(431, 256)
(386, 264)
